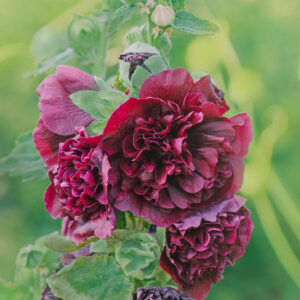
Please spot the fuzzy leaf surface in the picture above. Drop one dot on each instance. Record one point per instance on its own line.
(96, 277)
(23, 160)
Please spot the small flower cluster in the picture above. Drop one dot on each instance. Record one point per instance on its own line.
(169, 156)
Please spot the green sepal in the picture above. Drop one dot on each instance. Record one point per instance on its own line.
(137, 34)
(155, 63)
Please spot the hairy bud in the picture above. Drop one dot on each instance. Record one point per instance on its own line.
(163, 15)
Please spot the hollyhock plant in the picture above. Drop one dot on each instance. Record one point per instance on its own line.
(199, 247)
(59, 117)
(172, 151)
(77, 191)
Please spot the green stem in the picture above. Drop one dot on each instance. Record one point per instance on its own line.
(100, 67)
(151, 37)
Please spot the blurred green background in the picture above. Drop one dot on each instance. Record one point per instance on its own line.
(255, 58)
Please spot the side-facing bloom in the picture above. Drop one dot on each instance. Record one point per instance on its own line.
(172, 151)
(77, 192)
(59, 116)
(159, 293)
(199, 247)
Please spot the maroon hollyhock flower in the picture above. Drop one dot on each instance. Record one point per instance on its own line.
(77, 192)
(159, 293)
(200, 247)
(59, 116)
(171, 151)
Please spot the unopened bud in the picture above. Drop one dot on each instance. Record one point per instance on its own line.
(163, 15)
(159, 293)
(83, 33)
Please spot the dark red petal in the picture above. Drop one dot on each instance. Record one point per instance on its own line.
(210, 213)
(121, 117)
(58, 112)
(168, 267)
(244, 133)
(238, 167)
(53, 205)
(207, 87)
(47, 143)
(77, 231)
(197, 291)
(168, 85)
(191, 183)
(142, 208)
(103, 228)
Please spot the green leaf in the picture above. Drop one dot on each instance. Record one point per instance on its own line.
(24, 160)
(155, 63)
(138, 255)
(34, 264)
(59, 243)
(176, 4)
(189, 23)
(99, 246)
(96, 277)
(137, 34)
(107, 92)
(53, 62)
(96, 127)
(99, 104)
(120, 16)
(161, 236)
(91, 102)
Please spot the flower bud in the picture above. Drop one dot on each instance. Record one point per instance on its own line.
(83, 33)
(163, 15)
(159, 293)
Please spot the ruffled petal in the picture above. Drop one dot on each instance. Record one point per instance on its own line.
(168, 85)
(210, 213)
(53, 205)
(158, 216)
(244, 134)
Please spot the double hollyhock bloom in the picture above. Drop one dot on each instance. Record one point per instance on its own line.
(199, 247)
(77, 192)
(172, 151)
(159, 293)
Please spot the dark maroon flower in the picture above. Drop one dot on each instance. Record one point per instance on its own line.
(59, 116)
(159, 293)
(200, 247)
(47, 294)
(172, 151)
(77, 192)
